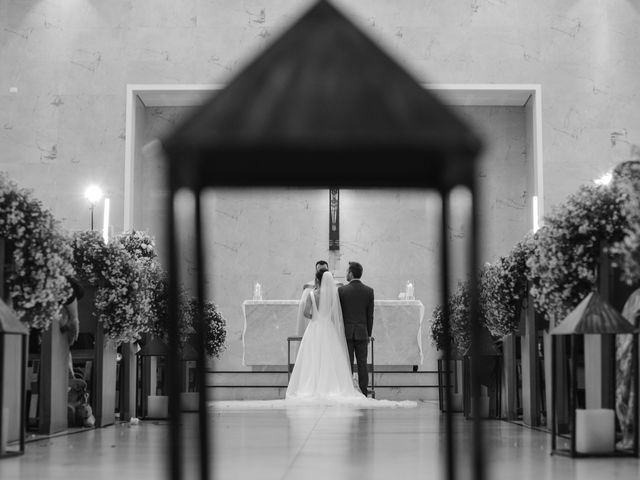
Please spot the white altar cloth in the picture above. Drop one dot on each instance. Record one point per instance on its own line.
(397, 329)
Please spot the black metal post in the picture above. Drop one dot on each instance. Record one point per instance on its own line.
(91, 210)
(288, 359)
(23, 391)
(553, 394)
(3, 343)
(174, 453)
(573, 396)
(478, 444)
(450, 473)
(440, 385)
(636, 389)
(373, 371)
(202, 359)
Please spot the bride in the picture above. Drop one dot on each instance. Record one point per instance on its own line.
(322, 369)
(322, 372)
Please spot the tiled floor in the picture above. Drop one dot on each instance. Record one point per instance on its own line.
(310, 443)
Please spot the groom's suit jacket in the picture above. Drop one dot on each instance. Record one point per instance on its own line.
(356, 300)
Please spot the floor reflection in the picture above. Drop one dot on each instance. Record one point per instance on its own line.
(311, 443)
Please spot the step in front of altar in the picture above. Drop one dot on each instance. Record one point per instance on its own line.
(252, 385)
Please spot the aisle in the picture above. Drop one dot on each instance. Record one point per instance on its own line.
(309, 443)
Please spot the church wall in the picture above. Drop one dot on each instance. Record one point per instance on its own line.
(275, 236)
(70, 62)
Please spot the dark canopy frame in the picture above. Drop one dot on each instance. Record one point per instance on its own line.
(322, 90)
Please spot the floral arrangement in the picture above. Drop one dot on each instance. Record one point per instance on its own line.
(123, 271)
(626, 253)
(215, 333)
(562, 268)
(40, 255)
(459, 321)
(187, 312)
(160, 311)
(138, 243)
(504, 289)
(89, 256)
(437, 330)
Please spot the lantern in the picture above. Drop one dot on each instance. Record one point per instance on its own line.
(321, 92)
(589, 432)
(13, 372)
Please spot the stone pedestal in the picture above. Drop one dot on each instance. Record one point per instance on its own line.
(510, 378)
(104, 403)
(103, 354)
(530, 375)
(11, 364)
(128, 382)
(54, 377)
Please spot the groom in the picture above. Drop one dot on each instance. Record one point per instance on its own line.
(356, 300)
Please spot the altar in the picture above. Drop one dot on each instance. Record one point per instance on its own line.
(397, 329)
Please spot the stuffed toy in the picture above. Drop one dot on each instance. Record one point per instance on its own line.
(84, 414)
(79, 412)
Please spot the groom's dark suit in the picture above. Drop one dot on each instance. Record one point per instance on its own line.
(356, 300)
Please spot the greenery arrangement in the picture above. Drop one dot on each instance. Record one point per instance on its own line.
(562, 267)
(123, 272)
(131, 288)
(188, 327)
(215, 329)
(459, 321)
(158, 327)
(504, 289)
(40, 254)
(558, 262)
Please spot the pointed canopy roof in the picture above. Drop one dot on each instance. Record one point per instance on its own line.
(322, 91)
(9, 321)
(593, 316)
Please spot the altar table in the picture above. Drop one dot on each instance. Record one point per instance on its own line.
(397, 328)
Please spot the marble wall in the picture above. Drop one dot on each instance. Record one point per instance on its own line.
(66, 64)
(275, 236)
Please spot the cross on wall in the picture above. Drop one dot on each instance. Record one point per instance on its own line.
(334, 219)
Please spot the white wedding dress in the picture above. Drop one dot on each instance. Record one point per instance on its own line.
(322, 370)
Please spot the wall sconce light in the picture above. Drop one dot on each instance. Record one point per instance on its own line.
(604, 179)
(93, 194)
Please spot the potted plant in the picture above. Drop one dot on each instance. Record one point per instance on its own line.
(36, 263)
(119, 276)
(189, 331)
